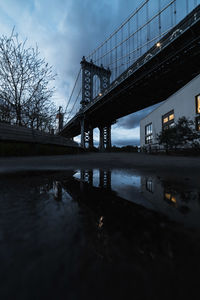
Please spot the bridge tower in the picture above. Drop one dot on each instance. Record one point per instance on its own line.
(89, 70)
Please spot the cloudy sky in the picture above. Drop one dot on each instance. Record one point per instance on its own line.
(64, 31)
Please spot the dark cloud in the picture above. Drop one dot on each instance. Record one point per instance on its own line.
(81, 27)
(90, 23)
(133, 120)
(66, 31)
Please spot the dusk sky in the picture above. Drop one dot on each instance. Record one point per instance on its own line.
(64, 31)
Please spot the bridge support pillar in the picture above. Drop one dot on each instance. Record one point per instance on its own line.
(105, 138)
(86, 136)
(89, 138)
(82, 133)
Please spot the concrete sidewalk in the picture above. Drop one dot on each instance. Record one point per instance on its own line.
(176, 166)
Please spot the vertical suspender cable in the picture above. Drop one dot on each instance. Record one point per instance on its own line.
(116, 56)
(121, 50)
(175, 12)
(187, 7)
(129, 50)
(110, 62)
(137, 35)
(147, 19)
(159, 19)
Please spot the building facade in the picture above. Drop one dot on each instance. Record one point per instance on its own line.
(185, 102)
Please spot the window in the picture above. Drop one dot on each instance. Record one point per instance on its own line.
(198, 123)
(198, 104)
(148, 134)
(168, 120)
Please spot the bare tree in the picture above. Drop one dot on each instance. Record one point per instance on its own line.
(25, 81)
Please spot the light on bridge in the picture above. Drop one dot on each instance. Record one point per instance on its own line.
(158, 44)
(100, 94)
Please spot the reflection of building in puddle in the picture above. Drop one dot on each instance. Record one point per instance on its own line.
(170, 198)
(155, 192)
(174, 200)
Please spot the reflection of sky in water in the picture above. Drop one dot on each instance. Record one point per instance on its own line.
(125, 184)
(96, 177)
(179, 203)
(77, 175)
(128, 186)
(120, 179)
(57, 231)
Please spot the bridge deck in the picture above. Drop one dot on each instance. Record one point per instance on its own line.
(155, 76)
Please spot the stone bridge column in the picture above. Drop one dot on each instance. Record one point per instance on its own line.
(91, 140)
(86, 136)
(105, 137)
(82, 133)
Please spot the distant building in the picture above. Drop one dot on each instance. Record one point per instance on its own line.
(185, 102)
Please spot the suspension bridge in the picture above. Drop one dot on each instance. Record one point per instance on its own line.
(152, 54)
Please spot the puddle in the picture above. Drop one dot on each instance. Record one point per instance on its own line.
(178, 201)
(98, 234)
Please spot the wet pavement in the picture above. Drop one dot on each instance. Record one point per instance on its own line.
(99, 234)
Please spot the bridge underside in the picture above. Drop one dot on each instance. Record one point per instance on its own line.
(161, 76)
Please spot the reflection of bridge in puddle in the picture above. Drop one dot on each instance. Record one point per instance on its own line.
(74, 228)
(104, 177)
(179, 202)
(176, 200)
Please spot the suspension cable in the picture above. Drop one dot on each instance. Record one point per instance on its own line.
(72, 91)
(74, 105)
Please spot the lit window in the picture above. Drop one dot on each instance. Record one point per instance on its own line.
(148, 134)
(165, 120)
(168, 120)
(198, 123)
(198, 104)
